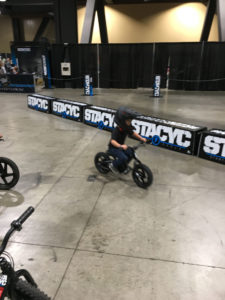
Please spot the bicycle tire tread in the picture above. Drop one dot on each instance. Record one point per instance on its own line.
(30, 292)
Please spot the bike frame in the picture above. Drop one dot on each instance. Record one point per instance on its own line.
(135, 157)
(9, 277)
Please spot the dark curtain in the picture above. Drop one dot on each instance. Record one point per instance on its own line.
(117, 66)
(144, 70)
(193, 66)
(57, 56)
(185, 62)
(126, 65)
(161, 59)
(213, 67)
(83, 60)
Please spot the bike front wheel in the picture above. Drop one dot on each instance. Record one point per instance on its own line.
(9, 173)
(142, 176)
(26, 291)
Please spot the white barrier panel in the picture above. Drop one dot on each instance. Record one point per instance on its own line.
(167, 134)
(40, 102)
(163, 133)
(100, 117)
(68, 109)
(212, 145)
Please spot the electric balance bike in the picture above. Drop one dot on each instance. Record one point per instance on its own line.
(9, 173)
(141, 174)
(12, 285)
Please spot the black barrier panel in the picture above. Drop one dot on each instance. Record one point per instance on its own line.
(21, 83)
(68, 109)
(170, 135)
(40, 102)
(163, 133)
(212, 145)
(100, 117)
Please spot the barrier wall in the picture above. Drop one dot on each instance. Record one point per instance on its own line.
(68, 109)
(170, 135)
(100, 117)
(180, 137)
(212, 145)
(40, 103)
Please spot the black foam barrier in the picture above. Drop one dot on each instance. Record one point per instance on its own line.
(212, 145)
(68, 109)
(40, 102)
(180, 137)
(168, 134)
(163, 133)
(100, 117)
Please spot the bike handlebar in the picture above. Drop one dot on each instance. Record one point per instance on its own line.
(141, 144)
(15, 225)
(25, 215)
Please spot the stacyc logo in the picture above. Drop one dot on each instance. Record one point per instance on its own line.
(66, 109)
(38, 103)
(214, 146)
(163, 134)
(102, 119)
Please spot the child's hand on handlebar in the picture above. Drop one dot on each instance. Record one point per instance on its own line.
(124, 147)
(144, 140)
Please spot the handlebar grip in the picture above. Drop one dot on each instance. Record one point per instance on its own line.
(25, 215)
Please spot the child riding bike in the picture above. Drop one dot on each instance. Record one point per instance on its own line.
(117, 146)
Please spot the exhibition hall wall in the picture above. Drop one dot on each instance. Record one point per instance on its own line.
(134, 23)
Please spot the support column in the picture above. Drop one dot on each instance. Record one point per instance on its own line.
(211, 9)
(18, 30)
(91, 7)
(41, 29)
(88, 22)
(66, 21)
(102, 21)
(221, 19)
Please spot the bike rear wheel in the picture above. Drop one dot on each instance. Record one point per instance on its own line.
(102, 162)
(9, 173)
(142, 176)
(26, 291)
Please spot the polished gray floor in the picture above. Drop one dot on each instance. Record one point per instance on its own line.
(107, 239)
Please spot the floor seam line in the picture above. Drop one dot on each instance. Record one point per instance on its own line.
(151, 258)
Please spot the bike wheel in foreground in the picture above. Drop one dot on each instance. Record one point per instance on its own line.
(26, 291)
(102, 162)
(9, 173)
(142, 176)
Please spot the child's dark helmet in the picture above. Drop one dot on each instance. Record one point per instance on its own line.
(123, 114)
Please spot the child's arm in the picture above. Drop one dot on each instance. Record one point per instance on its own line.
(117, 145)
(138, 137)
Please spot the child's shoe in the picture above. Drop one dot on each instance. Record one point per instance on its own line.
(126, 171)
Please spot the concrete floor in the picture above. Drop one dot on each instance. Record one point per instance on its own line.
(108, 239)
